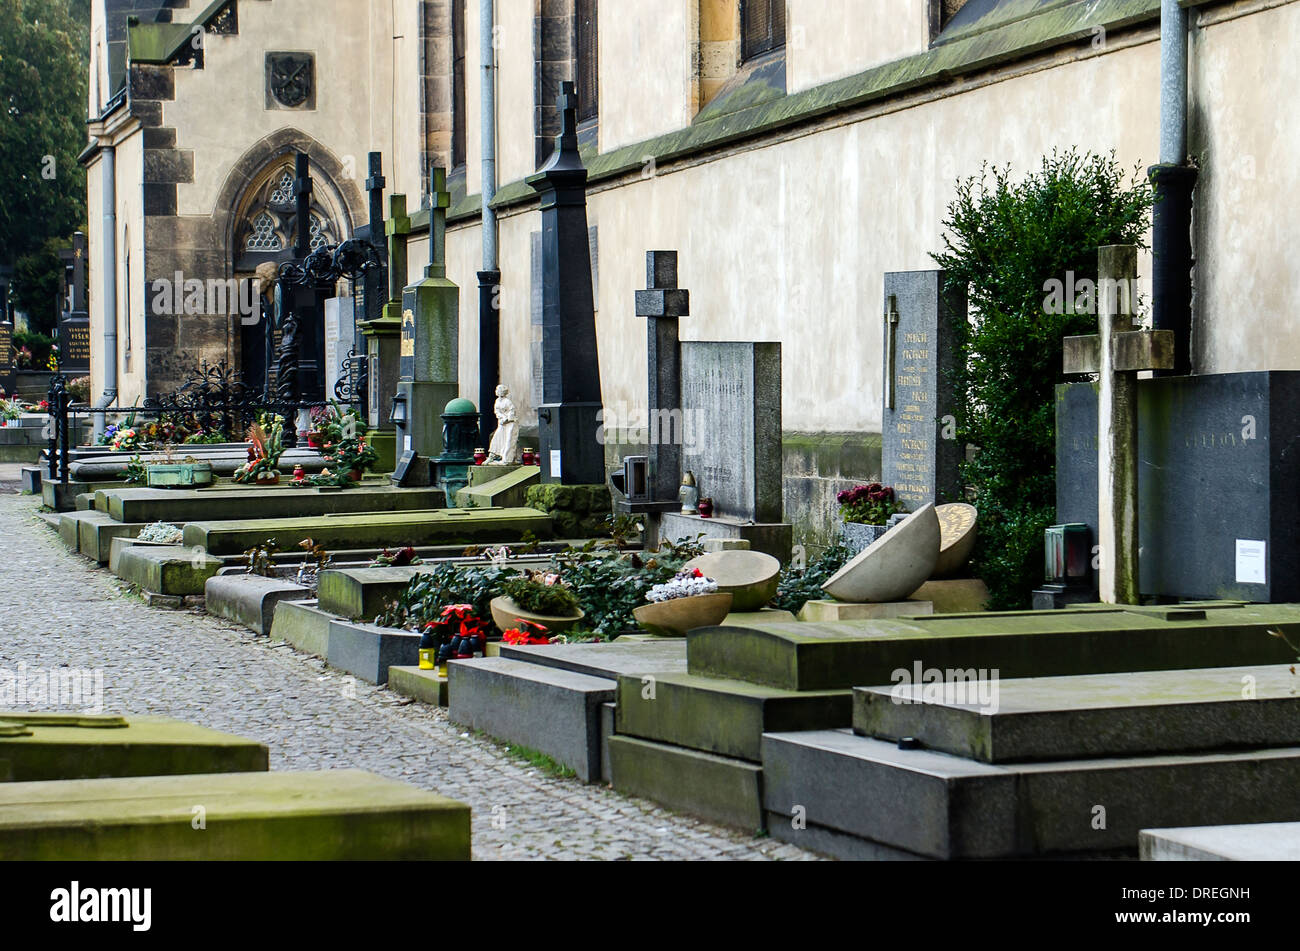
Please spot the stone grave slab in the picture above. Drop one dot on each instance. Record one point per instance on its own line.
(192, 505)
(658, 656)
(364, 592)
(553, 711)
(55, 746)
(775, 539)
(332, 815)
(375, 530)
(919, 454)
(97, 531)
(167, 569)
(426, 686)
(368, 651)
(304, 625)
(1050, 718)
(807, 656)
(1254, 842)
(817, 611)
(731, 405)
(946, 807)
(717, 788)
(723, 717)
(505, 491)
(250, 600)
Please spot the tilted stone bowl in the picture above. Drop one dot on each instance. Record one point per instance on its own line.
(507, 615)
(674, 618)
(958, 529)
(893, 567)
(750, 576)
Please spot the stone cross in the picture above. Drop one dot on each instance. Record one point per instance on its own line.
(662, 303)
(439, 202)
(397, 228)
(1117, 353)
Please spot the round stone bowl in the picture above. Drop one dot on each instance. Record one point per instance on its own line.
(674, 618)
(957, 533)
(750, 576)
(892, 567)
(507, 615)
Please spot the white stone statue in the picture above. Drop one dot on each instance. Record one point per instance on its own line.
(505, 441)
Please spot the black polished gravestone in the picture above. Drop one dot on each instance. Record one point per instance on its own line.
(74, 320)
(1218, 470)
(570, 411)
(919, 449)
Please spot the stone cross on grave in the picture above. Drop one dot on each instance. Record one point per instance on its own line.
(302, 189)
(373, 281)
(1117, 354)
(396, 228)
(662, 303)
(439, 202)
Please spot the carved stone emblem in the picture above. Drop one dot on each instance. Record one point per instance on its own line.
(291, 79)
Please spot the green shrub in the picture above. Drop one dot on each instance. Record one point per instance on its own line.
(798, 586)
(1005, 241)
(537, 597)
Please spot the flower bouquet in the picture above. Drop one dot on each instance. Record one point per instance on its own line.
(266, 445)
(687, 601)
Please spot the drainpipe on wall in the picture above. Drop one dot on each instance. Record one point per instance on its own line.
(489, 279)
(1173, 180)
(109, 267)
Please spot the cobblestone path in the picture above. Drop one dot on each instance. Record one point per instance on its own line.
(57, 610)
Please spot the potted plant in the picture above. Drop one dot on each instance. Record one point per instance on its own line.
(188, 472)
(539, 598)
(864, 510)
(458, 633)
(10, 413)
(266, 445)
(687, 601)
(347, 453)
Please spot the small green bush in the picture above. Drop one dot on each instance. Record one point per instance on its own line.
(535, 597)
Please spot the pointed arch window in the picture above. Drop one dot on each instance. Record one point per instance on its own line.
(265, 227)
(263, 235)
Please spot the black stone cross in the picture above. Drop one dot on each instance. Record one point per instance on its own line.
(302, 189)
(662, 303)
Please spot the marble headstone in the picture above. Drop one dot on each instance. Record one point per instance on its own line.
(919, 452)
(340, 334)
(731, 413)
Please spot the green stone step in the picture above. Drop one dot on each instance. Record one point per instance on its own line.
(35, 747)
(724, 717)
(845, 654)
(377, 530)
(1053, 718)
(193, 505)
(167, 569)
(331, 815)
(426, 686)
(304, 625)
(716, 788)
(364, 592)
(506, 490)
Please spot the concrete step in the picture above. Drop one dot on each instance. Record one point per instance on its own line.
(335, 815)
(304, 625)
(846, 654)
(426, 686)
(249, 600)
(247, 502)
(506, 490)
(364, 592)
(55, 746)
(716, 788)
(369, 651)
(664, 655)
(946, 807)
(380, 530)
(166, 569)
(1061, 718)
(556, 712)
(1256, 842)
(96, 533)
(725, 717)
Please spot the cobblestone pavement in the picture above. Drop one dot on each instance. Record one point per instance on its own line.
(56, 609)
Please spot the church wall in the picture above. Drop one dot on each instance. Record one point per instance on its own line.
(828, 39)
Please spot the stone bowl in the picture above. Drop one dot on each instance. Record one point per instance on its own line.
(957, 533)
(674, 618)
(750, 576)
(507, 614)
(893, 567)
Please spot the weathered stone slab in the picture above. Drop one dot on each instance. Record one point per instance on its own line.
(775, 539)
(726, 717)
(919, 454)
(121, 543)
(376, 530)
(363, 593)
(97, 532)
(49, 746)
(245, 502)
(368, 651)
(807, 656)
(954, 595)
(657, 656)
(556, 712)
(332, 815)
(250, 600)
(716, 788)
(1055, 718)
(1256, 842)
(166, 569)
(426, 686)
(304, 625)
(947, 807)
(817, 611)
(505, 491)
(30, 480)
(731, 403)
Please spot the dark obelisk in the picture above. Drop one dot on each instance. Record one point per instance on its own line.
(571, 399)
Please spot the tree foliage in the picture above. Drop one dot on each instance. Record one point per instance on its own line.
(44, 64)
(1005, 240)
